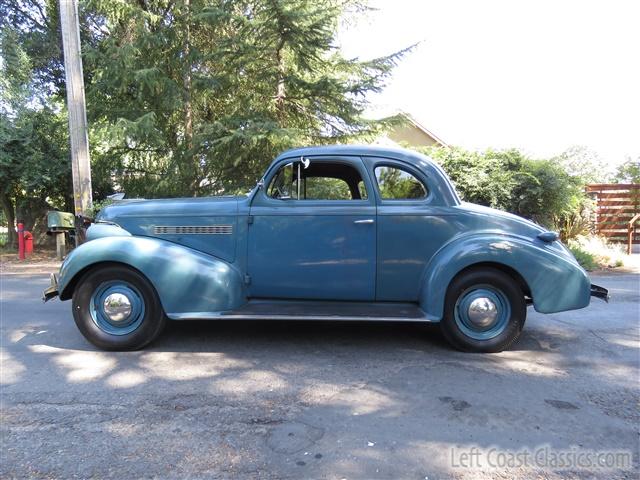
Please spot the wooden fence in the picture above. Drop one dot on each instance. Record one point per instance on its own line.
(616, 207)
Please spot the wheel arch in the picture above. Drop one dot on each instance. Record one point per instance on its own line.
(185, 280)
(554, 282)
(506, 269)
(72, 283)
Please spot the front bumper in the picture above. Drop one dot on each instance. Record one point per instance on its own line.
(52, 290)
(600, 292)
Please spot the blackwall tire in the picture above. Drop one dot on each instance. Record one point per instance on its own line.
(485, 311)
(116, 308)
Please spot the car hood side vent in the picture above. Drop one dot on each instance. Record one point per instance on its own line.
(193, 229)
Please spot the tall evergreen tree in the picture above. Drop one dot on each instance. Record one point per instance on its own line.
(185, 97)
(196, 96)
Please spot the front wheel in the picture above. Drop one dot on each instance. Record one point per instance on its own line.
(116, 308)
(485, 310)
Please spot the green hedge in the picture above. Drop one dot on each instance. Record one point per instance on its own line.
(540, 190)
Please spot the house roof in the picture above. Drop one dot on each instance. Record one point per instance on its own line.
(424, 129)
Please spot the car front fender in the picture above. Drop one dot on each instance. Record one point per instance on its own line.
(556, 282)
(186, 280)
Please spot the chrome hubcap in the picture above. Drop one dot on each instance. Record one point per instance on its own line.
(117, 307)
(482, 312)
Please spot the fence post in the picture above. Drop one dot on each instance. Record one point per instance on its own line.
(630, 232)
(21, 255)
(60, 245)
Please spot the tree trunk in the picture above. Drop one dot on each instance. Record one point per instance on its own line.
(9, 214)
(280, 91)
(188, 107)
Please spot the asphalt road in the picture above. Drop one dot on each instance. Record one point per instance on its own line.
(314, 400)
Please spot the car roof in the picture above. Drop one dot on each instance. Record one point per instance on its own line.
(360, 150)
(446, 191)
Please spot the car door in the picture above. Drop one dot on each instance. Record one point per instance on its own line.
(411, 227)
(312, 232)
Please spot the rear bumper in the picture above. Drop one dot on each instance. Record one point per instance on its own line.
(52, 290)
(600, 292)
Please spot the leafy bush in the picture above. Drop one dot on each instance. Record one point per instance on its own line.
(577, 223)
(629, 171)
(97, 206)
(584, 258)
(540, 190)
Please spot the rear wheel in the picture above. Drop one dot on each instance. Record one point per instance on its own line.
(117, 308)
(485, 310)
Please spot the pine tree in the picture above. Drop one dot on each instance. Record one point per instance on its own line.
(196, 96)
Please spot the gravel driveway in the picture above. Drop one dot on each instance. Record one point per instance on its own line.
(315, 400)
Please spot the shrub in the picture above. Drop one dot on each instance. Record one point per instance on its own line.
(97, 206)
(584, 258)
(540, 190)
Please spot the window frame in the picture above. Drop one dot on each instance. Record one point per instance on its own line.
(351, 161)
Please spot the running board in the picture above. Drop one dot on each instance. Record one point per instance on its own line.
(316, 311)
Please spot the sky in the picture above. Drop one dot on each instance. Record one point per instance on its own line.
(539, 75)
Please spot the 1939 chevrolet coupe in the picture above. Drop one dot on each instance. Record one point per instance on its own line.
(329, 233)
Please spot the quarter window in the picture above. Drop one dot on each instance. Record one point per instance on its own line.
(397, 184)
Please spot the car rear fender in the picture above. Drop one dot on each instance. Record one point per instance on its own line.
(555, 280)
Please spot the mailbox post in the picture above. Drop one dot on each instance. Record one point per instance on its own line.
(58, 224)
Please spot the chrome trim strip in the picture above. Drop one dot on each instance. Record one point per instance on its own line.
(193, 229)
(331, 318)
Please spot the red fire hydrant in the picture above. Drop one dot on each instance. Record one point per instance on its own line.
(28, 243)
(21, 241)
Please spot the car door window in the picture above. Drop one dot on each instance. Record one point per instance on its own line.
(326, 188)
(397, 184)
(320, 180)
(282, 184)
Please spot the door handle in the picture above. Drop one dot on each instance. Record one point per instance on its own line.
(368, 220)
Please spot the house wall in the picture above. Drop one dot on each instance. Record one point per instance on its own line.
(411, 135)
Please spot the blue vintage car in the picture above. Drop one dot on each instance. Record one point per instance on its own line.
(329, 233)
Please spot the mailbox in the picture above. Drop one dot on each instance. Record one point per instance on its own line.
(60, 221)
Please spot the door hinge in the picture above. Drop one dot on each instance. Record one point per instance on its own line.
(250, 219)
(247, 279)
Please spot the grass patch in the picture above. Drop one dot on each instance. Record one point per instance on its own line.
(594, 252)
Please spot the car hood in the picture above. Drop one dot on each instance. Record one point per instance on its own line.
(178, 207)
(208, 225)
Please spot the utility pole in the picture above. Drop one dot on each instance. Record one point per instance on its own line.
(80, 166)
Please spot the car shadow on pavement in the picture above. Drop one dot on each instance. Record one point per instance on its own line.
(305, 399)
(275, 399)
